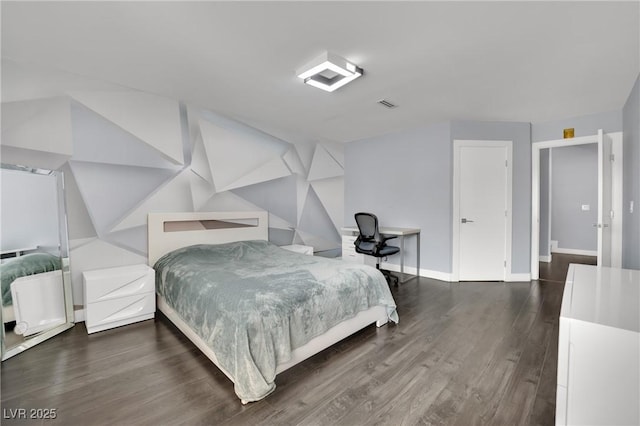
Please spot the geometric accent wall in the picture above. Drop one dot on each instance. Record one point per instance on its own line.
(126, 153)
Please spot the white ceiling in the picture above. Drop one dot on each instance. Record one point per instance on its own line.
(439, 61)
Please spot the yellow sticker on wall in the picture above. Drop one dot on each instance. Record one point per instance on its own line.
(568, 133)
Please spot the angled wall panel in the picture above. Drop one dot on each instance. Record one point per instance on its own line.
(99, 140)
(271, 170)
(279, 223)
(77, 213)
(302, 189)
(228, 202)
(38, 125)
(132, 239)
(110, 191)
(31, 158)
(152, 119)
(316, 222)
(281, 237)
(201, 190)
(277, 196)
(305, 153)
(331, 195)
(324, 165)
(294, 163)
(174, 196)
(199, 160)
(233, 155)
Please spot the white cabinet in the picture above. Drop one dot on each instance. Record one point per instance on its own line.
(118, 296)
(298, 248)
(349, 250)
(349, 253)
(599, 347)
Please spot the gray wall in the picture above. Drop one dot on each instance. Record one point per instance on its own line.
(574, 182)
(585, 125)
(545, 199)
(519, 133)
(631, 179)
(416, 190)
(405, 179)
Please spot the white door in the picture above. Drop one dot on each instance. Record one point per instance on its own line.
(604, 199)
(483, 207)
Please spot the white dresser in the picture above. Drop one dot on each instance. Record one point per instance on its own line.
(599, 348)
(118, 296)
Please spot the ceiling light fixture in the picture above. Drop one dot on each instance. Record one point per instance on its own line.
(329, 72)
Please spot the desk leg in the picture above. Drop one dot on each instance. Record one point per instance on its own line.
(402, 258)
(418, 250)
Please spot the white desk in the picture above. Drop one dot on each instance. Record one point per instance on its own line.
(598, 347)
(401, 233)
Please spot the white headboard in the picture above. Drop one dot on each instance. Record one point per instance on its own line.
(171, 231)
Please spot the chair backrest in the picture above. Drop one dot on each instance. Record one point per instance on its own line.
(368, 226)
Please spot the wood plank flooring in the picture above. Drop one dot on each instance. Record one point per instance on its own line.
(463, 354)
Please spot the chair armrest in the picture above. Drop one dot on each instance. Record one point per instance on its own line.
(387, 237)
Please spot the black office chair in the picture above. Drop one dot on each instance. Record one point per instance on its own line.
(372, 243)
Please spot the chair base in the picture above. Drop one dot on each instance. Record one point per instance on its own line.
(388, 276)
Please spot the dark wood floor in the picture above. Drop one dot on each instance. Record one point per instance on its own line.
(557, 269)
(463, 354)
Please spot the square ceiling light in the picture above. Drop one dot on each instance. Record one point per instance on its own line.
(329, 72)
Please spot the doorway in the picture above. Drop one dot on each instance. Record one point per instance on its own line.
(608, 226)
(482, 185)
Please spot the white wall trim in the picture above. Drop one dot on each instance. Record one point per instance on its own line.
(579, 252)
(78, 315)
(518, 277)
(545, 259)
(427, 273)
(446, 276)
(616, 239)
(616, 200)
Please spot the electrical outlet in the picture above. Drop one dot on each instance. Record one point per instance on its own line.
(586, 207)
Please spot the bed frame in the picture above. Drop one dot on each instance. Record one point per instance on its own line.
(170, 231)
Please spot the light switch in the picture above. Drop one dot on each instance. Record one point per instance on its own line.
(631, 207)
(586, 207)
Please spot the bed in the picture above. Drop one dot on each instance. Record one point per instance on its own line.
(13, 269)
(253, 308)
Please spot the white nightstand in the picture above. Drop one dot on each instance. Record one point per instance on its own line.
(298, 248)
(118, 296)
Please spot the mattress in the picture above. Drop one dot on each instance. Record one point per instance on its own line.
(253, 303)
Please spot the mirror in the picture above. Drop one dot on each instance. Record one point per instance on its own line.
(34, 261)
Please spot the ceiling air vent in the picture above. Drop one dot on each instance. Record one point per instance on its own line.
(386, 103)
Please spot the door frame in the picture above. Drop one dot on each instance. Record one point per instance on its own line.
(457, 144)
(616, 194)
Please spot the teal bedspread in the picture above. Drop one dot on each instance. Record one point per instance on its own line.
(28, 264)
(253, 303)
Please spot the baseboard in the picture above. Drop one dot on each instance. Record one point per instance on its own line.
(78, 315)
(575, 251)
(545, 259)
(518, 277)
(427, 273)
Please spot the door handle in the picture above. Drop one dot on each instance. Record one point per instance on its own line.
(465, 220)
